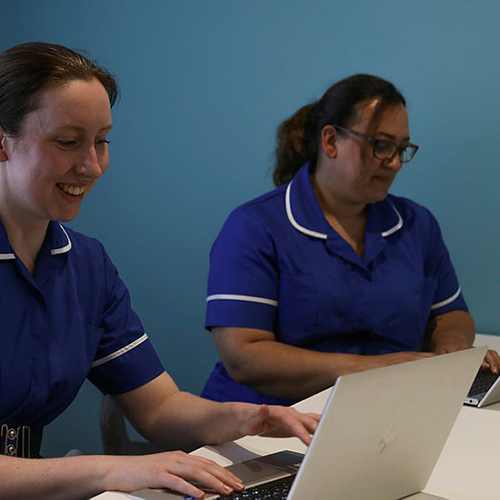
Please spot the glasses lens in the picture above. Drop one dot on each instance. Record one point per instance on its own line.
(408, 153)
(384, 149)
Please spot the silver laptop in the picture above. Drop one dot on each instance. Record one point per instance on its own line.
(379, 437)
(485, 389)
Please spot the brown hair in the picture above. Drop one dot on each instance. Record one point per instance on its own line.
(29, 68)
(298, 136)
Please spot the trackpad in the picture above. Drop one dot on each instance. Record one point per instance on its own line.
(267, 468)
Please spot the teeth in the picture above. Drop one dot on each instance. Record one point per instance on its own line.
(74, 190)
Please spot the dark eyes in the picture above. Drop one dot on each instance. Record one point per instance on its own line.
(65, 144)
(384, 147)
(69, 144)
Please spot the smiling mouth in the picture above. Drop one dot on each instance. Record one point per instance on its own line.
(72, 190)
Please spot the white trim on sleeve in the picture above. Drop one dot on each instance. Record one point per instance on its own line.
(447, 301)
(246, 298)
(120, 352)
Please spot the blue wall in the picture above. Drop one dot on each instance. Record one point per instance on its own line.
(204, 85)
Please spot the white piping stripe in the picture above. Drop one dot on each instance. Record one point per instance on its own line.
(55, 251)
(447, 301)
(120, 352)
(247, 298)
(63, 249)
(397, 227)
(294, 223)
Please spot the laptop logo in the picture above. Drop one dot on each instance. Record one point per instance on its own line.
(389, 436)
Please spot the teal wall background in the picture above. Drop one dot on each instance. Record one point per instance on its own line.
(204, 86)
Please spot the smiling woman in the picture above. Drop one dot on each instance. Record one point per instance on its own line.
(67, 314)
(58, 156)
(52, 101)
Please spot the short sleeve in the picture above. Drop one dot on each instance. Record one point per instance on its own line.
(243, 278)
(125, 357)
(448, 294)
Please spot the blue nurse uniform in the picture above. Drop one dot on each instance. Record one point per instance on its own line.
(278, 265)
(70, 320)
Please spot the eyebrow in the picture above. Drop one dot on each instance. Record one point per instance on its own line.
(392, 137)
(77, 128)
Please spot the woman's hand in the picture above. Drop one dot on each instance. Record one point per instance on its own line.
(176, 419)
(177, 470)
(173, 470)
(88, 475)
(276, 421)
(492, 361)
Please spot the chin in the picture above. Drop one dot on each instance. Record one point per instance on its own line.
(67, 216)
(375, 198)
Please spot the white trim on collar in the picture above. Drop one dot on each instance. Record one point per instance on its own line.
(292, 220)
(398, 225)
(309, 232)
(55, 251)
(65, 248)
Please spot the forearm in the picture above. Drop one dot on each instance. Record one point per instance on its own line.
(186, 422)
(57, 478)
(175, 419)
(452, 331)
(290, 372)
(83, 477)
(180, 420)
(255, 358)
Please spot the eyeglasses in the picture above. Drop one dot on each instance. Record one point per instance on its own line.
(386, 150)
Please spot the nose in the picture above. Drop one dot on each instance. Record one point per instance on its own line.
(394, 162)
(92, 164)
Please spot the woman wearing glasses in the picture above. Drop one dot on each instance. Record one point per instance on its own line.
(329, 274)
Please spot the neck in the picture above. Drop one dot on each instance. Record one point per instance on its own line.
(25, 239)
(334, 206)
(348, 219)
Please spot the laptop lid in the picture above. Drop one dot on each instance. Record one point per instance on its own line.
(382, 431)
(380, 434)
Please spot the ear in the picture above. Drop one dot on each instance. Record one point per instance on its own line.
(3, 150)
(329, 141)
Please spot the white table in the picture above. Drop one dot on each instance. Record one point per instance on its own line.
(468, 468)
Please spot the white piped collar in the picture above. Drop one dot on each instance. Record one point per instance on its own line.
(303, 210)
(397, 226)
(65, 248)
(59, 239)
(292, 220)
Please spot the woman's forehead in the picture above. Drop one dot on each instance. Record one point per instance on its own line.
(375, 116)
(77, 103)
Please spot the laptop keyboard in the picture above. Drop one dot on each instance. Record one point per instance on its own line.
(483, 381)
(275, 490)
